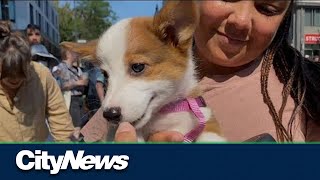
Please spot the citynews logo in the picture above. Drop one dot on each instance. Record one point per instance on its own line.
(40, 160)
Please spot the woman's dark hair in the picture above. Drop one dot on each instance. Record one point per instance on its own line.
(15, 54)
(299, 76)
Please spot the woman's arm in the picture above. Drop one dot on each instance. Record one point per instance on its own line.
(59, 120)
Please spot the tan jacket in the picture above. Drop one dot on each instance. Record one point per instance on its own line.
(39, 98)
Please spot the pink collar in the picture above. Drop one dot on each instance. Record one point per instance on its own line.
(189, 104)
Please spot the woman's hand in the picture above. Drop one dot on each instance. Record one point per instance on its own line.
(127, 133)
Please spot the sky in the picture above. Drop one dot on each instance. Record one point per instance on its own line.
(126, 9)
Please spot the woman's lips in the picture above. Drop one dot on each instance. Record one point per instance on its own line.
(233, 39)
(231, 44)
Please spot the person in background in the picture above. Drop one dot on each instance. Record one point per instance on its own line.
(38, 51)
(41, 55)
(34, 34)
(96, 88)
(73, 80)
(101, 84)
(56, 72)
(31, 103)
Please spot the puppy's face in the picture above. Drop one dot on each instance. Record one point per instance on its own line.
(146, 60)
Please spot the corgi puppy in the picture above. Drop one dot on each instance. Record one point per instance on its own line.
(152, 79)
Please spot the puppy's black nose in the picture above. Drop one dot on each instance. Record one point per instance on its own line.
(112, 114)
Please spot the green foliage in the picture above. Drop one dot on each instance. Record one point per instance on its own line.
(66, 22)
(88, 20)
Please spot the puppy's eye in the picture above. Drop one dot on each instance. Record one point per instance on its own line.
(138, 68)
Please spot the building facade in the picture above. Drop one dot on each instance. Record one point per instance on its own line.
(306, 27)
(39, 12)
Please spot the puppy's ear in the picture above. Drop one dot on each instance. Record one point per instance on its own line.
(176, 23)
(86, 51)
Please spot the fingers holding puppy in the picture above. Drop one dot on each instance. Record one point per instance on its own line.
(127, 133)
(166, 136)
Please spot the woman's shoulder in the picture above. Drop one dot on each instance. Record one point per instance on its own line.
(40, 69)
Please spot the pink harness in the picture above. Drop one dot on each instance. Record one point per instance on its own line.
(189, 104)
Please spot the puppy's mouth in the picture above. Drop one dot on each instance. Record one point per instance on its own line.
(136, 122)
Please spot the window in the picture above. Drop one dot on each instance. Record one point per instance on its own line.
(56, 20)
(308, 17)
(312, 17)
(47, 29)
(52, 34)
(8, 9)
(39, 21)
(52, 16)
(39, 3)
(55, 37)
(31, 14)
(317, 17)
(47, 8)
(4, 9)
(12, 10)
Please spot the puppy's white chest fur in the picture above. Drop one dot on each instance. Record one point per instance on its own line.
(182, 122)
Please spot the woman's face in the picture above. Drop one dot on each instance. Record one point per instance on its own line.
(12, 82)
(232, 33)
(13, 78)
(72, 56)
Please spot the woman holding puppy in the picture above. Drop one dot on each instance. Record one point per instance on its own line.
(251, 77)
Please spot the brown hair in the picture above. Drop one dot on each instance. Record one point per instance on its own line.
(64, 48)
(299, 77)
(86, 51)
(63, 53)
(15, 54)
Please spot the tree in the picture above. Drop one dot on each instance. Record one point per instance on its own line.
(88, 20)
(95, 17)
(67, 23)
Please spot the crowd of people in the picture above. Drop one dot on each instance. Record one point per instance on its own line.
(240, 46)
(44, 94)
